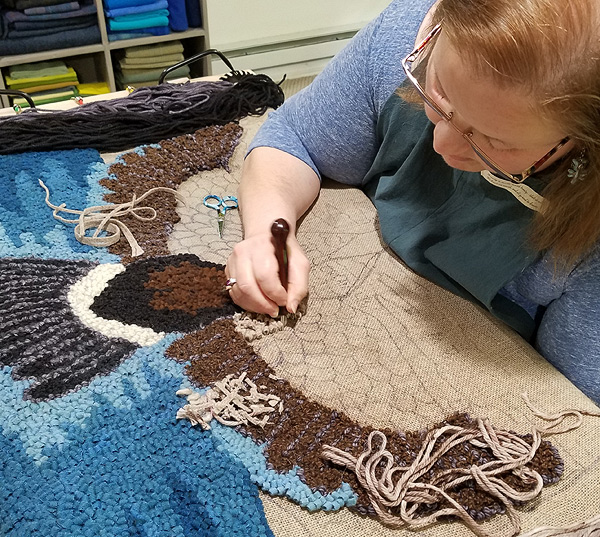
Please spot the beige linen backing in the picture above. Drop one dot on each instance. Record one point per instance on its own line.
(391, 349)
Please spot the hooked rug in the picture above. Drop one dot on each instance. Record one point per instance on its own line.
(136, 399)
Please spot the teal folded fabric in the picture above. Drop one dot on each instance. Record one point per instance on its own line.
(142, 16)
(140, 20)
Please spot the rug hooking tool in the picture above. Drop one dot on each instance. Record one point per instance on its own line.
(280, 230)
(221, 205)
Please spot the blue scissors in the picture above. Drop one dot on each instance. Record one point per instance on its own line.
(221, 205)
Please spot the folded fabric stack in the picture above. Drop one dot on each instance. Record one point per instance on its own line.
(136, 18)
(142, 66)
(128, 19)
(36, 25)
(44, 82)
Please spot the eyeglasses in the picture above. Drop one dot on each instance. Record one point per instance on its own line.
(407, 65)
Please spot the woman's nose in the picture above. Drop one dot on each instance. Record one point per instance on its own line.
(447, 140)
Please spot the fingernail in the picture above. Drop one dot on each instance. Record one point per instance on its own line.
(293, 307)
(276, 314)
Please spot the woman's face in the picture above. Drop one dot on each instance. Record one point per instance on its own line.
(503, 122)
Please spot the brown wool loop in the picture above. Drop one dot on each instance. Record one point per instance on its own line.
(105, 219)
(397, 492)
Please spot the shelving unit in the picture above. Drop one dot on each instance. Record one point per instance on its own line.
(274, 37)
(94, 63)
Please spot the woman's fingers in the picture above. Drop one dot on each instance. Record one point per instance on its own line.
(258, 287)
(254, 266)
(298, 271)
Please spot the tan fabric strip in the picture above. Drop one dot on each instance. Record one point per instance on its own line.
(526, 195)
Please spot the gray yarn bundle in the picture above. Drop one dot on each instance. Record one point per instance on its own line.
(147, 115)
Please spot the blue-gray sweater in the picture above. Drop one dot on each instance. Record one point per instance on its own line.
(331, 126)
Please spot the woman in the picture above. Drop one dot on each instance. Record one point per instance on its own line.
(491, 188)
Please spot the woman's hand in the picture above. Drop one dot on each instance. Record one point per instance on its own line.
(274, 185)
(254, 266)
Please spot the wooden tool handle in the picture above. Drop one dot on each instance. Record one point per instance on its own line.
(280, 230)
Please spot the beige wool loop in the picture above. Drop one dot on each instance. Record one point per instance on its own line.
(401, 487)
(105, 218)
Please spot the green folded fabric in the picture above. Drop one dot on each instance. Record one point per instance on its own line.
(145, 51)
(18, 83)
(46, 97)
(135, 76)
(158, 61)
(153, 65)
(34, 70)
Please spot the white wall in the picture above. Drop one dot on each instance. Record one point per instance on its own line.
(296, 37)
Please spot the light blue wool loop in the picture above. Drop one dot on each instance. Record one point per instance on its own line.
(287, 484)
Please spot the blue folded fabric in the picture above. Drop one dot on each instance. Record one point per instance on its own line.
(192, 9)
(26, 4)
(177, 16)
(77, 22)
(58, 8)
(16, 16)
(120, 11)
(18, 34)
(62, 39)
(140, 32)
(114, 4)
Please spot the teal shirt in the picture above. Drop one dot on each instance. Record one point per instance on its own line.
(450, 226)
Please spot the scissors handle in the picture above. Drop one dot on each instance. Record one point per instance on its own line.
(221, 204)
(229, 202)
(216, 205)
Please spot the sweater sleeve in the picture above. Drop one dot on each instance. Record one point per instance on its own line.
(331, 124)
(568, 335)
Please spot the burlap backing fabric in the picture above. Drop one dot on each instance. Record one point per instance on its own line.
(390, 349)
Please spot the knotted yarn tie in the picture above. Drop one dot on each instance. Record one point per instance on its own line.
(105, 218)
(375, 470)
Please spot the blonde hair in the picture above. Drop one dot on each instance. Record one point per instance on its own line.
(550, 50)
